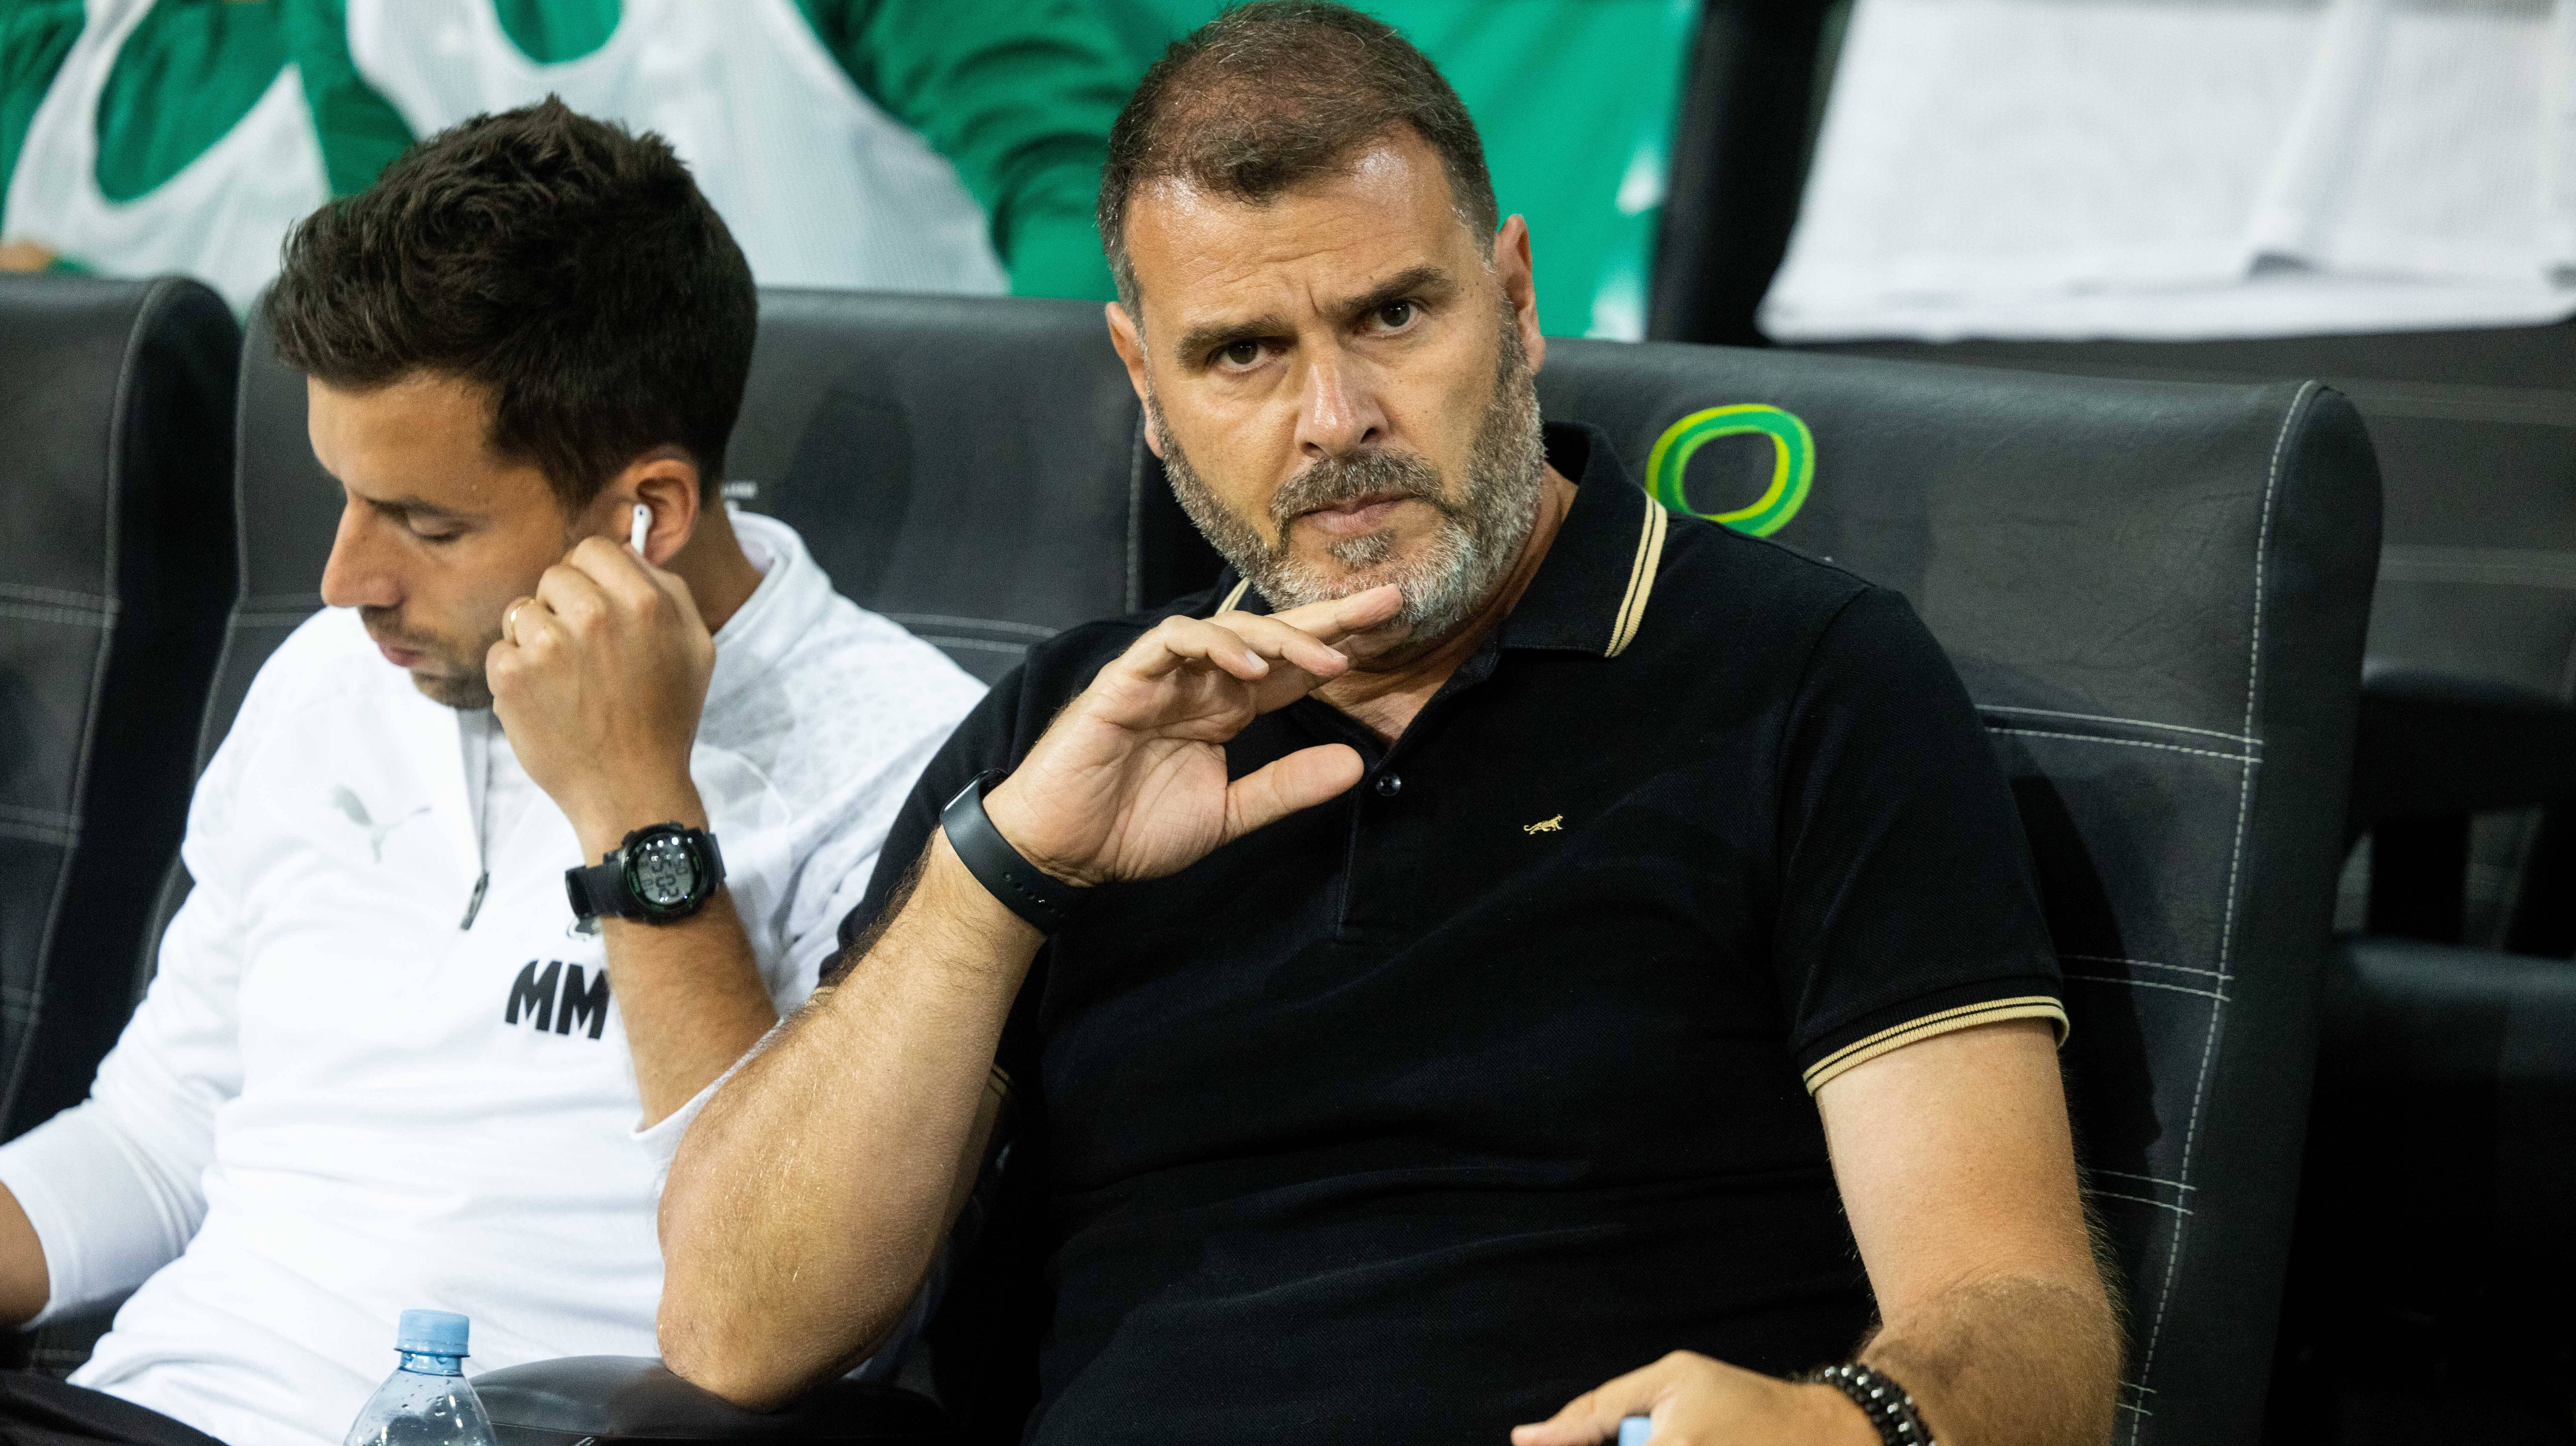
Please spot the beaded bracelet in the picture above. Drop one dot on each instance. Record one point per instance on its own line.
(1890, 1410)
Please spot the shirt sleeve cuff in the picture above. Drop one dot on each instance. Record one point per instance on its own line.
(100, 1229)
(1836, 1057)
(660, 1140)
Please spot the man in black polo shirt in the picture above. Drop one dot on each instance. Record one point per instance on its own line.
(1500, 937)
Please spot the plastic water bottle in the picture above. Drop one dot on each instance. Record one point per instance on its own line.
(426, 1401)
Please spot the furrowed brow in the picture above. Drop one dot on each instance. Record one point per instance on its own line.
(1417, 283)
(1206, 337)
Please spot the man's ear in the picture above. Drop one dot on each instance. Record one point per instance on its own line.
(1520, 286)
(665, 480)
(1130, 341)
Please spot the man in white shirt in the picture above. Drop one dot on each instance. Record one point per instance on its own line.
(385, 1063)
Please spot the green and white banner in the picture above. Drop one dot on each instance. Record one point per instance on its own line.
(930, 145)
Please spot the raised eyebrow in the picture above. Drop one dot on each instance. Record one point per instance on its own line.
(1426, 283)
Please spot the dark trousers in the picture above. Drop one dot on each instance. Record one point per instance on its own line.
(37, 1410)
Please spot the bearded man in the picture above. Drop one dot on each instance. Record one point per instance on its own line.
(1497, 939)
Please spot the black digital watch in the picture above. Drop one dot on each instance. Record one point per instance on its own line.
(662, 874)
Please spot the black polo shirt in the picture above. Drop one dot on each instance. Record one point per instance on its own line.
(1414, 1115)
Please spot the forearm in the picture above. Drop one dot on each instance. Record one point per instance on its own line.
(810, 1196)
(689, 993)
(692, 1000)
(24, 1288)
(2010, 1361)
(1957, 1172)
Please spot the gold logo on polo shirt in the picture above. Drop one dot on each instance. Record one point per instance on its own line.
(1546, 825)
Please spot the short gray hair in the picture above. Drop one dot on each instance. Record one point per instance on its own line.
(1270, 95)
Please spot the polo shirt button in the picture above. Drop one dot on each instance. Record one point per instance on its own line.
(1389, 785)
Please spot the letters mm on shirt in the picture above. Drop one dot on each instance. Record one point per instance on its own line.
(576, 1005)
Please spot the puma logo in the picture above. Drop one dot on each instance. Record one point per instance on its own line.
(348, 804)
(1546, 825)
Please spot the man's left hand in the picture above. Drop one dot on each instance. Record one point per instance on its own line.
(1696, 1401)
(600, 679)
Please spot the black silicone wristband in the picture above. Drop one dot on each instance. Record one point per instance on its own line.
(1025, 889)
(1889, 1408)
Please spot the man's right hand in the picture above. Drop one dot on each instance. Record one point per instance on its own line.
(772, 1290)
(1129, 782)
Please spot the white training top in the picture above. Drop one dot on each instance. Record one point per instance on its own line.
(337, 1102)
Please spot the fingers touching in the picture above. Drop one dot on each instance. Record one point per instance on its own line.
(1245, 645)
(1334, 619)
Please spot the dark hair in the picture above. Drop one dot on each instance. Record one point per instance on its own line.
(1269, 95)
(567, 267)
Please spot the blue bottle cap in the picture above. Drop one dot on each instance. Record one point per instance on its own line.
(431, 1333)
(1634, 1430)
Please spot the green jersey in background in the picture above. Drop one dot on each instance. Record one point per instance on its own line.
(913, 144)
(968, 160)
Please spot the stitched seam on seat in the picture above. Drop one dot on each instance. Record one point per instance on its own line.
(2235, 867)
(38, 817)
(2123, 743)
(2144, 964)
(68, 617)
(981, 645)
(2140, 1200)
(948, 620)
(2150, 1179)
(2149, 984)
(2108, 718)
(2131, 1405)
(60, 597)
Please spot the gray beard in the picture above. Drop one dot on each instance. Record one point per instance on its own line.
(1444, 582)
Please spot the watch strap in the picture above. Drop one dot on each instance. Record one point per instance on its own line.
(1047, 902)
(595, 891)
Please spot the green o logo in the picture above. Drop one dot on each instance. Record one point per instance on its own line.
(1793, 464)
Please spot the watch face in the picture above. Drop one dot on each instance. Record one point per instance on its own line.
(662, 871)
